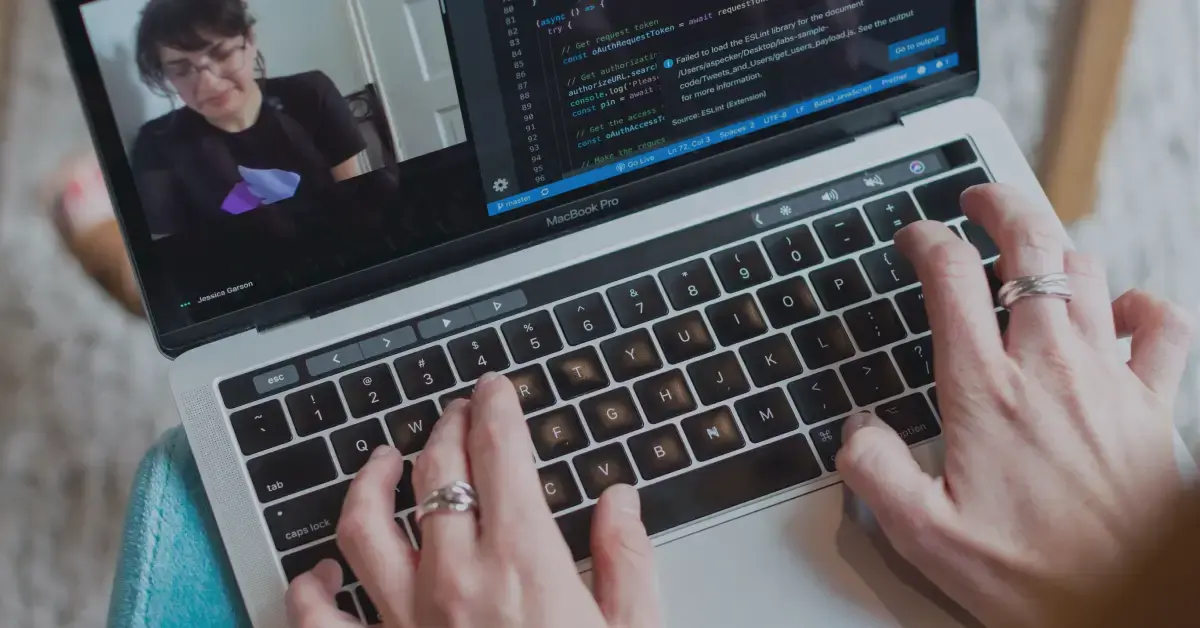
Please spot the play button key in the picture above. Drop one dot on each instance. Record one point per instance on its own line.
(445, 323)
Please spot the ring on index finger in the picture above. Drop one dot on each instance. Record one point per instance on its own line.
(1057, 285)
(455, 497)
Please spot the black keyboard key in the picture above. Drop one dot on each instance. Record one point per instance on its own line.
(404, 497)
(631, 355)
(533, 389)
(708, 490)
(789, 302)
(713, 433)
(664, 396)
(872, 379)
(736, 320)
(771, 361)
(820, 397)
(345, 603)
(840, 285)
(307, 558)
(940, 199)
(639, 301)
(741, 267)
(793, 250)
(684, 337)
(611, 414)
(370, 390)
(425, 372)
(370, 613)
(584, 319)
(994, 283)
(410, 426)
(766, 415)
(892, 214)
(828, 440)
(315, 409)
(477, 354)
(290, 470)
(659, 452)
(601, 468)
(911, 418)
(1002, 319)
(718, 378)
(577, 373)
(689, 284)
(465, 392)
(531, 336)
(933, 400)
(916, 361)
(843, 233)
(559, 487)
(888, 270)
(354, 444)
(557, 433)
(307, 518)
(824, 342)
(259, 428)
(912, 307)
(875, 324)
(980, 238)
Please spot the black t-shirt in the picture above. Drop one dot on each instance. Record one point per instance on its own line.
(190, 173)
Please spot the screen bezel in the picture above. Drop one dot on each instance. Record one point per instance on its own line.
(758, 152)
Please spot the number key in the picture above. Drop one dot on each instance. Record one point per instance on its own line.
(370, 390)
(637, 302)
(531, 337)
(584, 319)
(424, 372)
(689, 284)
(741, 267)
(477, 354)
(316, 409)
(793, 250)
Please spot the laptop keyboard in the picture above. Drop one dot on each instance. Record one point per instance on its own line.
(709, 382)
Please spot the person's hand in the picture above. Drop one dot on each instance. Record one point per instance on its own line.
(506, 566)
(1058, 454)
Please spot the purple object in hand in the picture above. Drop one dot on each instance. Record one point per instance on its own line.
(241, 199)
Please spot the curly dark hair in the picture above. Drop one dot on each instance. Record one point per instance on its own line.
(178, 24)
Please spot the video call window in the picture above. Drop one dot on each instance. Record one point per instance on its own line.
(229, 106)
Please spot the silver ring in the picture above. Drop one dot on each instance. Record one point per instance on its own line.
(456, 496)
(1057, 285)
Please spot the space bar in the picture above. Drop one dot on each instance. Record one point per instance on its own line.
(708, 490)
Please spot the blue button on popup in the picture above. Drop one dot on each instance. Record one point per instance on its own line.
(920, 43)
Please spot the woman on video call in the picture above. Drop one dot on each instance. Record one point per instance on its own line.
(242, 140)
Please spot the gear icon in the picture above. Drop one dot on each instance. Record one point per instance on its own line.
(500, 184)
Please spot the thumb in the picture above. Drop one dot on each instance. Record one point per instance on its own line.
(878, 467)
(623, 561)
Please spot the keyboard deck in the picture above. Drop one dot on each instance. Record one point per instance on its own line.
(710, 368)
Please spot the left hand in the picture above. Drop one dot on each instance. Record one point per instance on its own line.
(503, 566)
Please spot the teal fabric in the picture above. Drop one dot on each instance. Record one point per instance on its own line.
(172, 571)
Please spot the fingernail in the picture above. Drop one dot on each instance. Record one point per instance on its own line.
(381, 451)
(855, 423)
(488, 376)
(626, 499)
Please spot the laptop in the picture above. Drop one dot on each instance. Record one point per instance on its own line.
(669, 223)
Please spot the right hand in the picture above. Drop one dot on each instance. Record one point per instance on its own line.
(1059, 455)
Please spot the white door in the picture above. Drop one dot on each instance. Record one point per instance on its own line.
(405, 46)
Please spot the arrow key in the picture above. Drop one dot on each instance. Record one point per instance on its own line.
(259, 428)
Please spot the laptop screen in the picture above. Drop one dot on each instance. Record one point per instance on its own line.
(265, 149)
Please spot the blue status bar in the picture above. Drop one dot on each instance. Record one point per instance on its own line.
(724, 134)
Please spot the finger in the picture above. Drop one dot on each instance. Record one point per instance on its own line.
(374, 545)
(502, 460)
(879, 468)
(1162, 336)
(1031, 242)
(310, 599)
(624, 584)
(958, 300)
(449, 535)
(1091, 308)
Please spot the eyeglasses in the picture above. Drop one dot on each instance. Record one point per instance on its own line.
(221, 61)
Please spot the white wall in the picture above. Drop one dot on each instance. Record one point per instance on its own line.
(285, 33)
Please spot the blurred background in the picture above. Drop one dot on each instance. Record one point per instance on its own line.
(83, 389)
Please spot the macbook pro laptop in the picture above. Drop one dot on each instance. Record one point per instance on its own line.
(668, 222)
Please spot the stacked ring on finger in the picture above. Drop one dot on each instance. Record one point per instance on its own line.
(1049, 285)
(457, 496)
